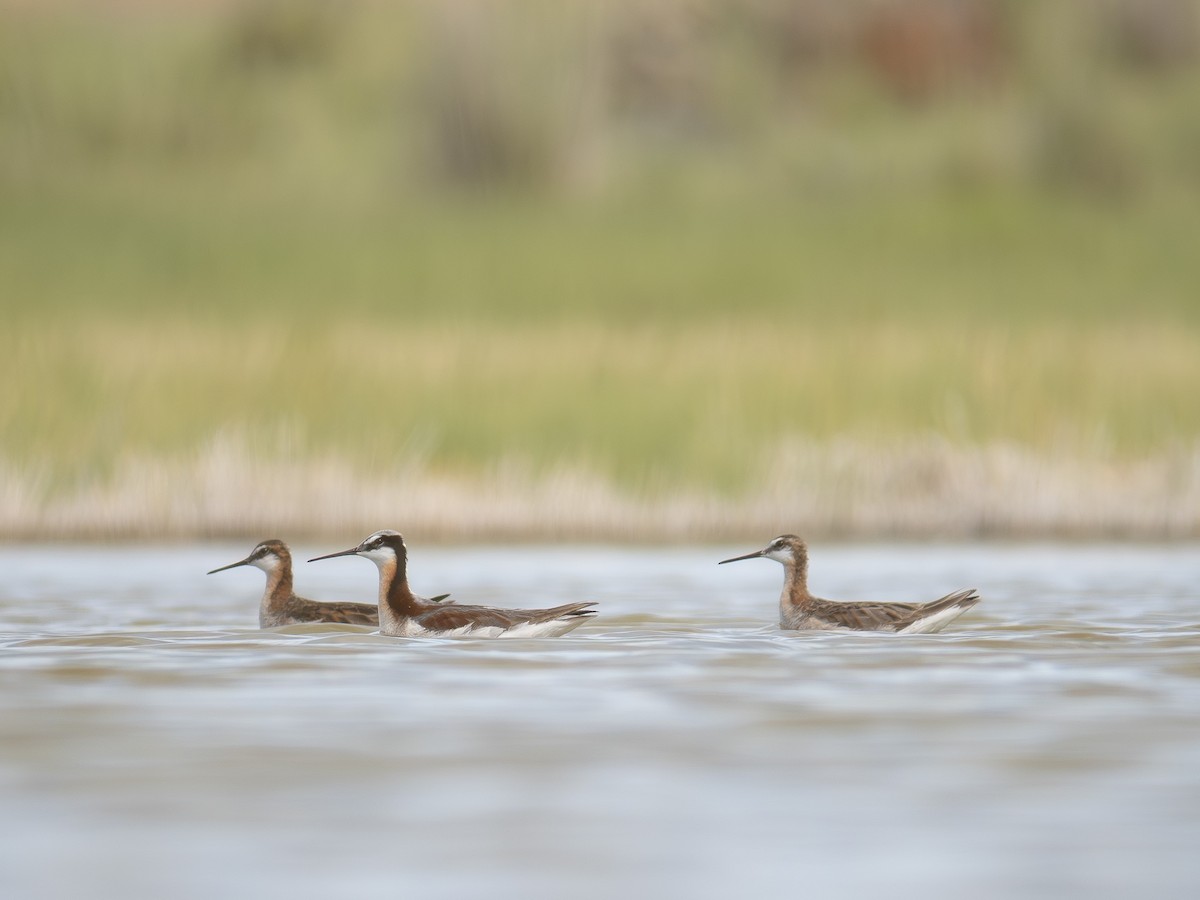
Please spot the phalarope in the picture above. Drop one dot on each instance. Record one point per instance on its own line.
(281, 606)
(800, 610)
(404, 614)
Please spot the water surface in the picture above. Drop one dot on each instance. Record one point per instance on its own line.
(155, 743)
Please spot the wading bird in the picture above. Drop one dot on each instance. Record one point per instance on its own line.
(799, 610)
(404, 614)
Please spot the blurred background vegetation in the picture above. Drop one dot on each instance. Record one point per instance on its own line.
(659, 243)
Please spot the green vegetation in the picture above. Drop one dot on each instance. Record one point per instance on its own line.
(708, 404)
(368, 236)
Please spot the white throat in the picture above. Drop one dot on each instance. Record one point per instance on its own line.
(381, 556)
(268, 563)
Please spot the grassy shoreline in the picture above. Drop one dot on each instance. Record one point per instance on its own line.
(643, 405)
(119, 429)
(917, 489)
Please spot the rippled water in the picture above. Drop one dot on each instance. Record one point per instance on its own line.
(154, 743)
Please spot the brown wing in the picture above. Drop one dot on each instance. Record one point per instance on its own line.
(338, 613)
(566, 611)
(451, 617)
(888, 616)
(965, 599)
(864, 616)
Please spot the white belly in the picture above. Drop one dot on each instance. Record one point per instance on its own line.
(554, 628)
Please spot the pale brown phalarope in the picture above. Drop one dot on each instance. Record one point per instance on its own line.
(799, 610)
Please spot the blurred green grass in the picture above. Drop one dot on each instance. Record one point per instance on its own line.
(999, 257)
(656, 242)
(652, 407)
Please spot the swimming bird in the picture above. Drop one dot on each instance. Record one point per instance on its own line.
(800, 610)
(404, 614)
(281, 606)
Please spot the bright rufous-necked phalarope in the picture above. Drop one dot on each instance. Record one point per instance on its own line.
(800, 610)
(281, 606)
(401, 613)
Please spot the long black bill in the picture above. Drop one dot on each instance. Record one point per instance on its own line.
(350, 552)
(241, 562)
(754, 555)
